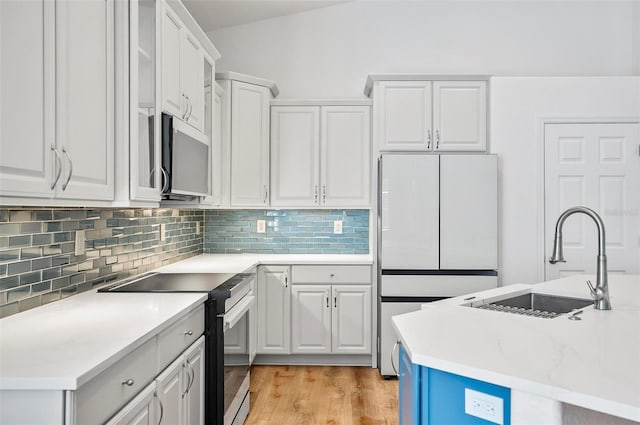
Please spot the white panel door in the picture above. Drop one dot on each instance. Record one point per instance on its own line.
(274, 310)
(194, 397)
(27, 37)
(173, 101)
(468, 212)
(345, 155)
(85, 98)
(249, 144)
(310, 319)
(404, 115)
(409, 195)
(351, 319)
(460, 115)
(171, 385)
(192, 79)
(295, 150)
(596, 166)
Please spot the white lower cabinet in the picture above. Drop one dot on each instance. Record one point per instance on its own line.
(331, 319)
(274, 310)
(142, 410)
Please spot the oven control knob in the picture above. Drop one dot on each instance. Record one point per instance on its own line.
(129, 382)
(189, 333)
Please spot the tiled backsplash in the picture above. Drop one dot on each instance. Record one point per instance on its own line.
(287, 232)
(37, 261)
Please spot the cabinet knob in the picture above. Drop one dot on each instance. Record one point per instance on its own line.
(189, 332)
(331, 275)
(129, 382)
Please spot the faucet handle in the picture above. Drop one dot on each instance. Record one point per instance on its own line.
(596, 293)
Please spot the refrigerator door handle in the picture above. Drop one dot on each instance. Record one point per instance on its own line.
(393, 351)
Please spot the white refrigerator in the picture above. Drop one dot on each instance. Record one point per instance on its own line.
(437, 234)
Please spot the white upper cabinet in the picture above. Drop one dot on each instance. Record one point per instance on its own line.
(27, 110)
(57, 133)
(182, 70)
(320, 155)
(460, 115)
(295, 155)
(424, 115)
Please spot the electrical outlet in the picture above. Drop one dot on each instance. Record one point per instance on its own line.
(262, 228)
(80, 239)
(197, 227)
(484, 406)
(163, 231)
(337, 227)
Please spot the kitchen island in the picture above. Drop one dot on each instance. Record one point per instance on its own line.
(554, 370)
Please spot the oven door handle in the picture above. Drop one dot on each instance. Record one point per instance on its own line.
(239, 310)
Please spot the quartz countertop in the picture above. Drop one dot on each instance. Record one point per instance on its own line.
(593, 363)
(62, 345)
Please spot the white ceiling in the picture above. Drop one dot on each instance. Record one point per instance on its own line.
(216, 14)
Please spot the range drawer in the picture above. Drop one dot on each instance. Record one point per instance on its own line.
(179, 336)
(331, 274)
(105, 394)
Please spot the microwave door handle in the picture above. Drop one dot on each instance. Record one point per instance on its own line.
(239, 310)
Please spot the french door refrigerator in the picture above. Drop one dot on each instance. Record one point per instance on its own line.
(437, 234)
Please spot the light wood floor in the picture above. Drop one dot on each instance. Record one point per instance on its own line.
(321, 395)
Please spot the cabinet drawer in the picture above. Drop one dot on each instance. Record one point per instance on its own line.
(331, 274)
(180, 335)
(104, 395)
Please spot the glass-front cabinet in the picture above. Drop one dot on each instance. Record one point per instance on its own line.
(144, 125)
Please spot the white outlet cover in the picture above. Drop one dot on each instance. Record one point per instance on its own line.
(337, 227)
(484, 406)
(197, 227)
(261, 225)
(80, 239)
(163, 231)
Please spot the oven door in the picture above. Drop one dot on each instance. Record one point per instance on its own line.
(237, 361)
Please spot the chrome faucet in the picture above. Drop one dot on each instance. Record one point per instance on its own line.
(600, 293)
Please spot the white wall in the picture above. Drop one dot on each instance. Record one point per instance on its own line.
(328, 52)
(519, 105)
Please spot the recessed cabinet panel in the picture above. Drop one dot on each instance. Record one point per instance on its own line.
(85, 98)
(192, 78)
(404, 115)
(249, 144)
(351, 319)
(460, 115)
(345, 157)
(311, 319)
(295, 145)
(274, 310)
(171, 47)
(26, 108)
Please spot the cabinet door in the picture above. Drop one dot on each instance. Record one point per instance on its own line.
(404, 115)
(249, 144)
(194, 397)
(468, 212)
(351, 319)
(310, 319)
(192, 79)
(85, 98)
(345, 156)
(142, 410)
(295, 146)
(409, 209)
(460, 115)
(172, 99)
(171, 388)
(27, 37)
(274, 310)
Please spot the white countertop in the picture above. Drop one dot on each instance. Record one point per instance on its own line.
(592, 363)
(62, 345)
(237, 263)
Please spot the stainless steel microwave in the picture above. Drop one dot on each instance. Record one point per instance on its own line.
(186, 159)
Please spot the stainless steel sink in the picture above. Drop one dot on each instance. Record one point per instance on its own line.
(536, 305)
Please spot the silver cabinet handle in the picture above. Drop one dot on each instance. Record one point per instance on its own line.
(165, 180)
(129, 382)
(315, 194)
(189, 107)
(189, 332)
(286, 280)
(324, 193)
(393, 350)
(184, 115)
(66, 182)
(266, 194)
(161, 408)
(58, 167)
(437, 139)
(335, 302)
(428, 139)
(192, 374)
(186, 390)
(327, 300)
